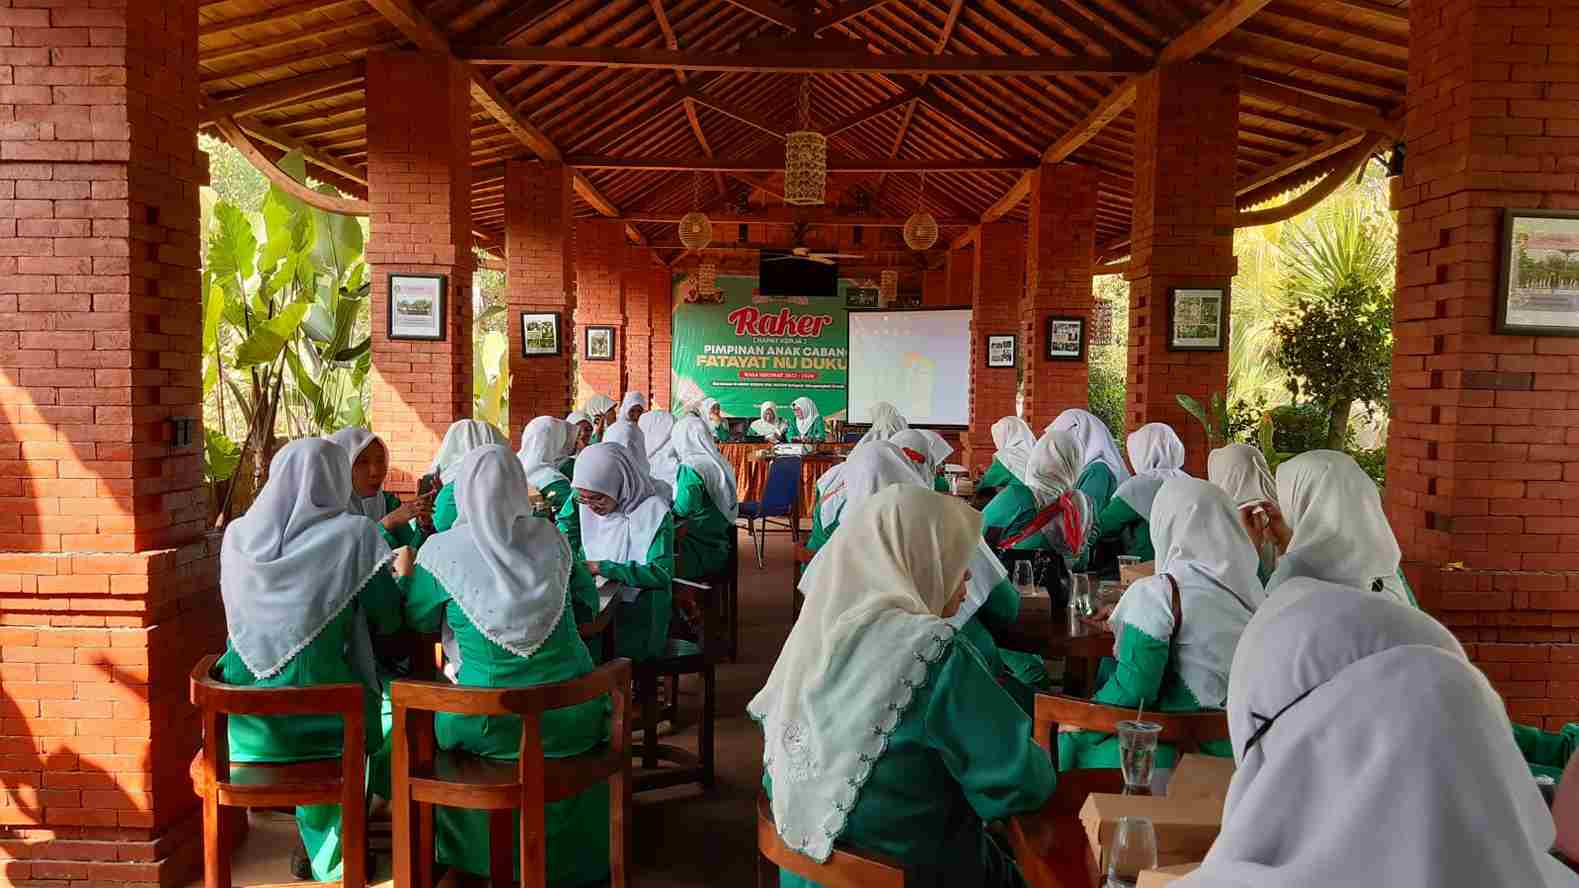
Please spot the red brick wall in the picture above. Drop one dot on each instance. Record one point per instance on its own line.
(1058, 282)
(961, 272)
(540, 277)
(1482, 464)
(637, 281)
(934, 288)
(600, 299)
(661, 292)
(419, 182)
(1186, 122)
(107, 583)
(998, 283)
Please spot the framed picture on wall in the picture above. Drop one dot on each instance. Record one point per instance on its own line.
(1001, 351)
(861, 297)
(1538, 290)
(1066, 338)
(1195, 320)
(539, 334)
(599, 345)
(417, 306)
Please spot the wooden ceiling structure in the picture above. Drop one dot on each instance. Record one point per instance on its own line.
(661, 105)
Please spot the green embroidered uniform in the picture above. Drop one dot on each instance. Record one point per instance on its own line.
(641, 627)
(705, 549)
(816, 431)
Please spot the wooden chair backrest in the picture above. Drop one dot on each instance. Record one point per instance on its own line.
(1185, 730)
(845, 868)
(1051, 845)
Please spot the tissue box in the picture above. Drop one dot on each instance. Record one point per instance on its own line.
(1186, 827)
(1166, 875)
(1201, 777)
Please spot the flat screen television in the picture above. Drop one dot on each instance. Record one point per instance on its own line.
(782, 273)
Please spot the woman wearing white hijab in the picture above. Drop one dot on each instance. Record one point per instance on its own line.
(621, 527)
(868, 469)
(369, 468)
(1157, 455)
(879, 728)
(601, 408)
(712, 413)
(656, 428)
(583, 425)
(705, 498)
(1047, 511)
(921, 451)
(1332, 527)
(768, 426)
(629, 435)
(1241, 471)
(463, 436)
(1102, 467)
(634, 405)
(808, 421)
(495, 585)
(544, 444)
(1394, 746)
(1012, 440)
(886, 423)
(1177, 660)
(304, 583)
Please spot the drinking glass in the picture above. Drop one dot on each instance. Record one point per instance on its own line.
(1134, 851)
(1137, 747)
(1128, 561)
(1025, 578)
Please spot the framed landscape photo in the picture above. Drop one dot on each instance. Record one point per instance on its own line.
(1001, 351)
(417, 306)
(1195, 320)
(1538, 289)
(1066, 338)
(599, 345)
(539, 334)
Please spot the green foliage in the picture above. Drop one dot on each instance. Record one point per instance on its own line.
(1374, 462)
(491, 379)
(1213, 417)
(220, 455)
(1297, 428)
(232, 178)
(1109, 364)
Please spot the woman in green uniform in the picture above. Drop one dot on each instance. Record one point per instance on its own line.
(544, 443)
(1102, 468)
(369, 468)
(1047, 511)
(304, 583)
(496, 583)
(1012, 440)
(583, 426)
(1175, 632)
(1157, 455)
(462, 437)
(629, 435)
(879, 728)
(601, 408)
(809, 426)
(712, 413)
(657, 428)
(768, 426)
(1242, 473)
(621, 527)
(868, 469)
(705, 498)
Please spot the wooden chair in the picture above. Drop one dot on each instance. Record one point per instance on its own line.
(845, 868)
(1186, 730)
(1051, 845)
(424, 776)
(226, 784)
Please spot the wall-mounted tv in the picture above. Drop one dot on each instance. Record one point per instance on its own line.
(785, 274)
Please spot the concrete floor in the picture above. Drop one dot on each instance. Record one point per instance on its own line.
(680, 838)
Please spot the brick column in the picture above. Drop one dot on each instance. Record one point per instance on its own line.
(1482, 464)
(600, 300)
(541, 277)
(108, 584)
(661, 293)
(419, 182)
(636, 280)
(997, 281)
(961, 273)
(1186, 133)
(934, 288)
(1058, 282)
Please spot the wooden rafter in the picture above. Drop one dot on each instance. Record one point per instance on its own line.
(846, 11)
(1315, 154)
(859, 117)
(271, 16)
(773, 163)
(1344, 167)
(945, 34)
(321, 159)
(773, 12)
(280, 92)
(345, 206)
(832, 62)
(750, 118)
(1337, 112)
(510, 21)
(792, 216)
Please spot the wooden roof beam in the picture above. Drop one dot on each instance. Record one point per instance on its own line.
(750, 118)
(279, 92)
(773, 12)
(270, 16)
(1336, 112)
(345, 206)
(846, 11)
(774, 164)
(831, 62)
(508, 23)
(1376, 10)
(1314, 154)
(323, 160)
(791, 216)
(865, 114)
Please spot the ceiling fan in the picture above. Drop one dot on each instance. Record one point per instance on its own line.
(801, 251)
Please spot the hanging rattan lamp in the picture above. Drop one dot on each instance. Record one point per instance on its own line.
(805, 158)
(921, 229)
(696, 230)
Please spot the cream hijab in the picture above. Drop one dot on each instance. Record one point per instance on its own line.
(656, 428)
(293, 562)
(1387, 760)
(694, 448)
(1341, 534)
(808, 407)
(353, 441)
(506, 568)
(886, 423)
(625, 534)
(869, 631)
(463, 436)
(545, 442)
(1242, 473)
(1096, 443)
(632, 399)
(1157, 455)
(1014, 440)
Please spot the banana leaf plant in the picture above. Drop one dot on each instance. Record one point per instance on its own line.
(1213, 419)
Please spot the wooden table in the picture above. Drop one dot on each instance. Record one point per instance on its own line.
(1051, 845)
(1044, 630)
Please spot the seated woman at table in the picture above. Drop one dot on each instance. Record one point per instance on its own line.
(657, 427)
(1242, 473)
(369, 468)
(583, 436)
(603, 411)
(809, 426)
(1175, 632)
(629, 435)
(712, 413)
(634, 405)
(621, 527)
(1047, 511)
(768, 426)
(886, 423)
(1012, 439)
(304, 583)
(1102, 467)
(1370, 752)
(705, 499)
(462, 437)
(544, 442)
(881, 730)
(1157, 455)
(497, 583)
(929, 451)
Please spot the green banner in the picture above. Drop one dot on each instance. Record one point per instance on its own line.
(743, 348)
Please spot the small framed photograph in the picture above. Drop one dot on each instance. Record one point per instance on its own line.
(1066, 338)
(861, 297)
(539, 334)
(599, 344)
(1001, 351)
(1195, 320)
(418, 306)
(1538, 290)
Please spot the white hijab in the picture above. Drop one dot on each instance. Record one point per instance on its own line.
(938, 447)
(656, 428)
(694, 447)
(808, 407)
(886, 423)
(768, 428)
(626, 533)
(506, 568)
(1050, 474)
(1199, 542)
(353, 441)
(869, 631)
(917, 447)
(1389, 759)
(576, 418)
(629, 435)
(1157, 455)
(293, 562)
(545, 442)
(1242, 473)
(869, 468)
(1341, 534)
(632, 399)
(463, 436)
(1013, 438)
(598, 406)
(1096, 442)
(706, 412)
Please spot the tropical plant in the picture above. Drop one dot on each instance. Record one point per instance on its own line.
(1214, 418)
(491, 379)
(1108, 364)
